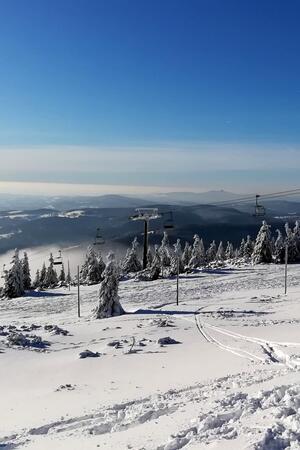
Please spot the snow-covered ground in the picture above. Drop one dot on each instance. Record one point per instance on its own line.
(231, 381)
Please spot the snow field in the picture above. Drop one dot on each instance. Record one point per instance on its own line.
(232, 381)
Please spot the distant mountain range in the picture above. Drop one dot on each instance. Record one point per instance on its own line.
(73, 221)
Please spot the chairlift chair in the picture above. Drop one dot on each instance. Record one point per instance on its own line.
(58, 260)
(99, 239)
(169, 221)
(260, 210)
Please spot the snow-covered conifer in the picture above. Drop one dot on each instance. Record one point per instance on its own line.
(13, 282)
(62, 275)
(242, 248)
(186, 255)
(43, 276)
(229, 251)
(149, 257)
(51, 276)
(291, 243)
(211, 252)
(248, 248)
(37, 280)
(26, 272)
(198, 253)
(220, 256)
(176, 259)
(109, 302)
(155, 268)
(131, 263)
(91, 270)
(262, 252)
(279, 248)
(164, 251)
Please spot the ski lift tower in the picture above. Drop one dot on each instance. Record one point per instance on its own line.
(146, 214)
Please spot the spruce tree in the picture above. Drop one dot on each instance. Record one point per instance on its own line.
(26, 272)
(68, 277)
(43, 276)
(176, 259)
(186, 255)
(92, 269)
(149, 257)
(164, 251)
(51, 276)
(262, 252)
(13, 281)
(62, 275)
(37, 280)
(291, 242)
(229, 251)
(279, 248)
(211, 252)
(248, 248)
(198, 253)
(131, 263)
(155, 268)
(109, 303)
(242, 248)
(220, 256)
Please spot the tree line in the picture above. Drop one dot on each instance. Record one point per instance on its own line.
(162, 260)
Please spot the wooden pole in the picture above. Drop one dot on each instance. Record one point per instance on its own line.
(285, 269)
(78, 292)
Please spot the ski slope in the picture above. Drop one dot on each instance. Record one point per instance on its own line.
(231, 380)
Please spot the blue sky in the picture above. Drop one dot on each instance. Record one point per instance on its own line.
(136, 81)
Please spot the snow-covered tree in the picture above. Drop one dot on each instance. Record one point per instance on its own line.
(154, 270)
(68, 277)
(62, 275)
(291, 242)
(13, 281)
(149, 257)
(43, 276)
(186, 255)
(229, 251)
(211, 252)
(296, 232)
(198, 253)
(131, 263)
(248, 248)
(109, 302)
(220, 256)
(91, 270)
(242, 248)
(26, 272)
(164, 251)
(176, 261)
(51, 277)
(262, 252)
(37, 280)
(279, 248)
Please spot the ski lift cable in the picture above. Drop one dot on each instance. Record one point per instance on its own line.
(249, 198)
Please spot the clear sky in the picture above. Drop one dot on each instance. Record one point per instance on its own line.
(189, 94)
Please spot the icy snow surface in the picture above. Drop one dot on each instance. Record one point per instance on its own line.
(232, 380)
